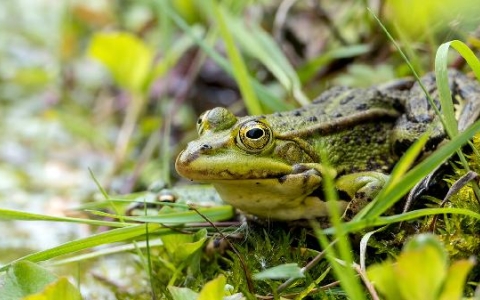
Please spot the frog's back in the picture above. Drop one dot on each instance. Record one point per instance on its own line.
(364, 147)
(335, 109)
(353, 126)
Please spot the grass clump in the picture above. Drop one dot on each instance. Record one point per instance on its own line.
(160, 79)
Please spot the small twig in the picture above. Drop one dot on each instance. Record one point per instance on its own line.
(366, 281)
(215, 224)
(363, 276)
(310, 265)
(456, 186)
(248, 277)
(293, 295)
(280, 18)
(361, 273)
(417, 189)
(364, 244)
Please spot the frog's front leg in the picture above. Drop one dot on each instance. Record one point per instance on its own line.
(361, 187)
(305, 179)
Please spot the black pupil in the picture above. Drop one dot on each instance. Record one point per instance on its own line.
(255, 133)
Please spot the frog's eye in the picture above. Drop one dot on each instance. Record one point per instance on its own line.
(254, 136)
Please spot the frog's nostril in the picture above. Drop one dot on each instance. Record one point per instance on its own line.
(205, 147)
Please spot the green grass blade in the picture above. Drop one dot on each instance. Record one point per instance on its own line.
(215, 214)
(112, 236)
(344, 274)
(407, 161)
(464, 51)
(258, 44)
(393, 194)
(99, 252)
(239, 69)
(358, 225)
(445, 95)
(441, 74)
(8, 215)
(412, 69)
(342, 249)
(266, 96)
(441, 59)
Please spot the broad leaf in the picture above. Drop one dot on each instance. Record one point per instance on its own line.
(214, 289)
(128, 58)
(60, 289)
(25, 278)
(284, 271)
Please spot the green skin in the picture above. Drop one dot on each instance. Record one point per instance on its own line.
(270, 166)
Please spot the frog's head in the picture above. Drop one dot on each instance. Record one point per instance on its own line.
(251, 166)
(231, 148)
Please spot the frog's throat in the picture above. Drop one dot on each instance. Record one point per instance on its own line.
(267, 198)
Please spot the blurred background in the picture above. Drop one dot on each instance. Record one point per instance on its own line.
(114, 87)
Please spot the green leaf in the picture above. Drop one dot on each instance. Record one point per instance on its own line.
(214, 289)
(423, 241)
(285, 271)
(128, 58)
(183, 246)
(455, 282)
(383, 279)
(188, 9)
(60, 289)
(421, 268)
(25, 278)
(421, 272)
(179, 293)
(423, 20)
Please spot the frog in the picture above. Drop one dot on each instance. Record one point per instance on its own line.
(273, 166)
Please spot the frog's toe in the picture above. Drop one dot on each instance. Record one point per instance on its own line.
(362, 187)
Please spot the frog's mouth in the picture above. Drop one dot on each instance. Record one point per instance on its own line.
(226, 167)
(224, 175)
(250, 181)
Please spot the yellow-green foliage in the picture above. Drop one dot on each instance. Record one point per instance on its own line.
(422, 272)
